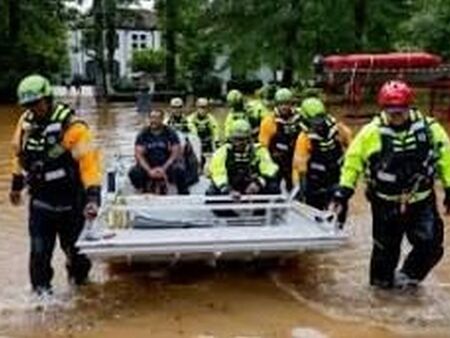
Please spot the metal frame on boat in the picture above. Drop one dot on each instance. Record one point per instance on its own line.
(144, 227)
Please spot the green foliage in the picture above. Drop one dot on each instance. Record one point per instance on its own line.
(286, 34)
(188, 24)
(428, 28)
(148, 60)
(32, 40)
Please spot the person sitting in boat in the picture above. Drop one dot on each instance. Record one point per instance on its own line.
(242, 167)
(177, 120)
(157, 153)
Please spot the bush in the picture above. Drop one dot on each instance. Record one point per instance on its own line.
(148, 60)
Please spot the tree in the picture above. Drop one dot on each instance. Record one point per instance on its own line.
(32, 40)
(428, 27)
(100, 39)
(190, 46)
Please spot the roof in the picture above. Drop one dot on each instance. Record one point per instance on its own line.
(129, 19)
(133, 19)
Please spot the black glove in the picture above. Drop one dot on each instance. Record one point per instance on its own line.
(447, 200)
(17, 182)
(339, 203)
(93, 195)
(342, 194)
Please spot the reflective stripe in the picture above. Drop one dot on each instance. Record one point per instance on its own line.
(45, 206)
(387, 131)
(416, 197)
(53, 127)
(417, 126)
(386, 177)
(32, 147)
(282, 146)
(317, 166)
(56, 113)
(60, 113)
(54, 175)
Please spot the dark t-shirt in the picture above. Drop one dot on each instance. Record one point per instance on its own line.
(157, 146)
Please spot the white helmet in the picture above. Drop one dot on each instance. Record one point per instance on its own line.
(202, 102)
(176, 102)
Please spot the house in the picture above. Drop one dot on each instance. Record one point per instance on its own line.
(136, 29)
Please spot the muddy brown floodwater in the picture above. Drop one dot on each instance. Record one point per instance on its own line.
(317, 295)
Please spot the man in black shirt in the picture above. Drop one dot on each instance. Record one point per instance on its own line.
(157, 152)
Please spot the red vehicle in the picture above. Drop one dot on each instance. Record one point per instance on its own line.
(354, 73)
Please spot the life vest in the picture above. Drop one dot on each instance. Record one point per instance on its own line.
(405, 164)
(204, 132)
(255, 112)
(326, 155)
(51, 171)
(178, 123)
(242, 167)
(282, 145)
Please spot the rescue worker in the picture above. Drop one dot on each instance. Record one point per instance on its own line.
(242, 167)
(268, 95)
(204, 125)
(401, 151)
(177, 120)
(158, 158)
(236, 106)
(319, 152)
(54, 157)
(256, 111)
(279, 133)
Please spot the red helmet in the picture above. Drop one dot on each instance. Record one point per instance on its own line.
(395, 93)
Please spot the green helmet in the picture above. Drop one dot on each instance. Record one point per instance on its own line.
(234, 97)
(33, 88)
(312, 107)
(283, 95)
(240, 129)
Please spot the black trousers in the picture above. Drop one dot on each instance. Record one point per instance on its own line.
(319, 197)
(44, 227)
(176, 174)
(422, 226)
(284, 163)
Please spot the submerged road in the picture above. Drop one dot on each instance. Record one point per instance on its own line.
(318, 295)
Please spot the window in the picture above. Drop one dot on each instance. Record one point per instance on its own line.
(134, 36)
(134, 45)
(143, 45)
(143, 37)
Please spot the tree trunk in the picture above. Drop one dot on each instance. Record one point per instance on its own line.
(100, 79)
(171, 48)
(360, 14)
(111, 41)
(291, 28)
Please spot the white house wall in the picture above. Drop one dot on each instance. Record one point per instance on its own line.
(128, 40)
